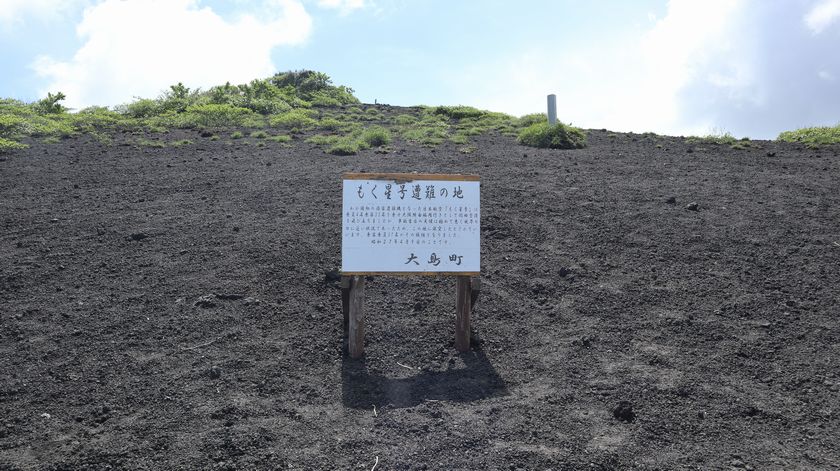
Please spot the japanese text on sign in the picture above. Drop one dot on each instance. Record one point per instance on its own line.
(393, 224)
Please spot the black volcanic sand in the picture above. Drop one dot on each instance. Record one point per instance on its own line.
(169, 309)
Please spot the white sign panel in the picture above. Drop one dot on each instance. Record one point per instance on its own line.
(406, 223)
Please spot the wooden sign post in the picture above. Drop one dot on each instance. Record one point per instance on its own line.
(409, 224)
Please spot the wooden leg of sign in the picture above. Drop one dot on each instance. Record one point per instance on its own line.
(345, 305)
(356, 327)
(475, 287)
(463, 306)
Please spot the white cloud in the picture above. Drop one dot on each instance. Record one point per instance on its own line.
(826, 75)
(822, 15)
(15, 12)
(140, 47)
(628, 83)
(694, 42)
(344, 6)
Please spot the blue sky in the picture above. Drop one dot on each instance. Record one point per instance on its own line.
(749, 67)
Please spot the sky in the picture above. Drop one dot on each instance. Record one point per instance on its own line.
(752, 68)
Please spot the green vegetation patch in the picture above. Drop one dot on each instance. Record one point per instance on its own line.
(531, 119)
(459, 138)
(346, 146)
(295, 119)
(282, 138)
(719, 138)
(559, 136)
(150, 143)
(352, 142)
(8, 145)
(211, 115)
(813, 137)
(282, 100)
(330, 124)
(426, 132)
(459, 112)
(404, 120)
(376, 136)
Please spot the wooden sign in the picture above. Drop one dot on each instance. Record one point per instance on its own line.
(410, 224)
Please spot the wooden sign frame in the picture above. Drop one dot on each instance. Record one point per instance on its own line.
(467, 284)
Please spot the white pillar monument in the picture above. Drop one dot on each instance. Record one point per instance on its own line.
(552, 109)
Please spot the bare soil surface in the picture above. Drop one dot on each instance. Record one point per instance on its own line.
(173, 308)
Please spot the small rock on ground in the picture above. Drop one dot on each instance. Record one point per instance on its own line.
(206, 301)
(624, 412)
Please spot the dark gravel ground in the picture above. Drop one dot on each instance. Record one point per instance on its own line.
(168, 309)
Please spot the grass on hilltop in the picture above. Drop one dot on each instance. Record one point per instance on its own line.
(293, 102)
(813, 137)
(304, 101)
(283, 100)
(558, 136)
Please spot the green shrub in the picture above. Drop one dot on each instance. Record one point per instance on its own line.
(141, 108)
(459, 138)
(281, 138)
(346, 146)
(267, 106)
(372, 114)
(236, 135)
(182, 142)
(8, 145)
(214, 115)
(305, 88)
(259, 134)
(55, 125)
(156, 129)
(813, 137)
(531, 119)
(12, 125)
(559, 136)
(329, 124)
(459, 112)
(323, 139)
(472, 131)
(98, 117)
(50, 104)
(429, 117)
(718, 136)
(741, 145)
(298, 119)
(376, 136)
(426, 135)
(303, 80)
(405, 119)
(101, 137)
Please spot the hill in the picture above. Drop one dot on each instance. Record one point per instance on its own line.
(648, 302)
